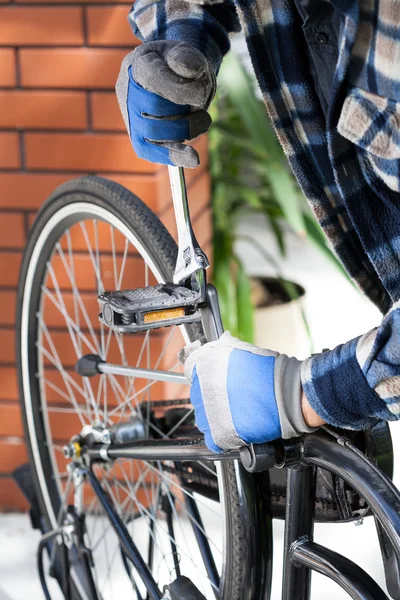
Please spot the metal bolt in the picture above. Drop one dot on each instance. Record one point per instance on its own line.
(359, 522)
(106, 437)
(68, 451)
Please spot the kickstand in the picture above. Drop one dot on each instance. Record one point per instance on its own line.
(23, 478)
(182, 589)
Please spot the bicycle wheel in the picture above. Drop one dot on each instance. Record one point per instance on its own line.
(93, 235)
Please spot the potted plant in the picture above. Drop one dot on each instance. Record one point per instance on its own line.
(250, 173)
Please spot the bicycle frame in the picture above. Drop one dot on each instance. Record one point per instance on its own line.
(300, 457)
(301, 554)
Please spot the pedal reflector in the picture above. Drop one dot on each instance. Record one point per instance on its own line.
(164, 315)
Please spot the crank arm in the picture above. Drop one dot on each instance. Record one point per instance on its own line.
(191, 258)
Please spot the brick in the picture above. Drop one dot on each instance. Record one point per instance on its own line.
(106, 115)
(9, 268)
(11, 421)
(199, 199)
(85, 276)
(143, 186)
(7, 346)
(40, 26)
(132, 344)
(28, 109)
(11, 498)
(13, 454)
(8, 388)
(70, 68)
(28, 190)
(203, 228)
(191, 175)
(101, 237)
(108, 26)
(7, 67)
(55, 382)
(85, 152)
(7, 307)
(12, 233)
(199, 194)
(9, 151)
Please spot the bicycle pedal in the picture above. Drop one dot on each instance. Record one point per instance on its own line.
(162, 305)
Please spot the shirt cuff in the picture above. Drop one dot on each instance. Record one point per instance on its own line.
(337, 389)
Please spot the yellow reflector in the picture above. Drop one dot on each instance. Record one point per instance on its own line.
(164, 315)
(78, 449)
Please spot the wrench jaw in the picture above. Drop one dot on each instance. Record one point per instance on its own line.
(163, 305)
(191, 261)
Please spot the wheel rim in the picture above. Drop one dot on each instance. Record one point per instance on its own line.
(69, 219)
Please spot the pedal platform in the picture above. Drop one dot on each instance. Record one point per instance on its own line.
(162, 305)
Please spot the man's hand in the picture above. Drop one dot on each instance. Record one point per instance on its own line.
(164, 89)
(243, 394)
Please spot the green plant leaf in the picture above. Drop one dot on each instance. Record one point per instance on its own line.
(237, 84)
(317, 237)
(286, 193)
(245, 309)
(277, 231)
(224, 281)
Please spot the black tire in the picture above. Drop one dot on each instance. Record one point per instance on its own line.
(125, 208)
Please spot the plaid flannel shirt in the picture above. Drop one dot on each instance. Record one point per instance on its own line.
(347, 164)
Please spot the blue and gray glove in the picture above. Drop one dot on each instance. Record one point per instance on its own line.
(243, 394)
(164, 89)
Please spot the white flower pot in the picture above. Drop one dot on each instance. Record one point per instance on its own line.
(281, 327)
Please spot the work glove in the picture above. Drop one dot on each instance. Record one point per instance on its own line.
(164, 89)
(243, 394)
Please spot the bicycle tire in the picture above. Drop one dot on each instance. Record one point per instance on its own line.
(149, 232)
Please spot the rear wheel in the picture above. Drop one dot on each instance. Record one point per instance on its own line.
(93, 235)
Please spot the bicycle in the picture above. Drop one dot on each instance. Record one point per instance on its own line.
(135, 466)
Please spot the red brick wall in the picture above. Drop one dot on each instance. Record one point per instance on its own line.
(59, 119)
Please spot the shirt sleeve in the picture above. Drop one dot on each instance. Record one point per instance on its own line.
(359, 381)
(205, 26)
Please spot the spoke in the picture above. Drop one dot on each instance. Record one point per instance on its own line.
(159, 526)
(182, 489)
(172, 504)
(171, 431)
(78, 297)
(65, 312)
(132, 379)
(56, 389)
(121, 273)
(141, 479)
(114, 257)
(108, 528)
(107, 556)
(127, 499)
(68, 381)
(60, 515)
(100, 286)
(72, 267)
(136, 394)
(69, 321)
